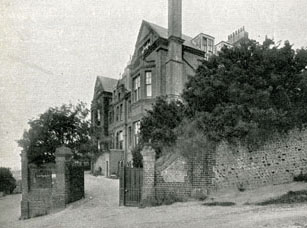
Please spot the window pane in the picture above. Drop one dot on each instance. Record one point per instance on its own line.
(148, 91)
(148, 77)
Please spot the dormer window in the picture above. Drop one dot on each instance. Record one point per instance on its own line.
(205, 43)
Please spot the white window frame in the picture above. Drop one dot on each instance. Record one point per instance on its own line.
(148, 83)
(137, 88)
(137, 127)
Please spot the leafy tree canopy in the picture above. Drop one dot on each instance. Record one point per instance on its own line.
(7, 181)
(158, 126)
(66, 125)
(249, 92)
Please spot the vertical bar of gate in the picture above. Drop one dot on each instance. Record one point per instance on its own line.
(124, 183)
(138, 185)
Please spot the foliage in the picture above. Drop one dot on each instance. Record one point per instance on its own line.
(223, 204)
(167, 198)
(289, 198)
(157, 127)
(66, 125)
(7, 181)
(191, 141)
(137, 157)
(246, 93)
(301, 178)
(250, 91)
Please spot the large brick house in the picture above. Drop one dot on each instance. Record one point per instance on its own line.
(163, 60)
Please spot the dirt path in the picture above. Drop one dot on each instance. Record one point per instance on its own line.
(100, 209)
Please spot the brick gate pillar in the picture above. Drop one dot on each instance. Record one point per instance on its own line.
(25, 186)
(148, 188)
(62, 158)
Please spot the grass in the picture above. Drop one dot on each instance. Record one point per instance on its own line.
(223, 204)
(289, 198)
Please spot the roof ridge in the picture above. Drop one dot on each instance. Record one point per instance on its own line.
(108, 84)
(166, 29)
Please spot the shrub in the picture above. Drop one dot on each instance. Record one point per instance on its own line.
(241, 187)
(289, 198)
(301, 178)
(249, 92)
(223, 204)
(137, 157)
(7, 181)
(199, 194)
(163, 199)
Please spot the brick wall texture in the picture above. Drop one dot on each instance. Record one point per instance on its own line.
(233, 167)
(172, 177)
(51, 187)
(276, 162)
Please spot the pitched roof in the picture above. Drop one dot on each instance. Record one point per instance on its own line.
(108, 84)
(163, 33)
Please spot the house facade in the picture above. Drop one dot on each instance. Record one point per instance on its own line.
(161, 64)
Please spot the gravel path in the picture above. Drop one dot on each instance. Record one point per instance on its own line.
(100, 209)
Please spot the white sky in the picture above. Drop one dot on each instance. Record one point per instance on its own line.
(52, 50)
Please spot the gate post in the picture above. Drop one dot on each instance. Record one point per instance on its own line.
(25, 186)
(62, 157)
(148, 188)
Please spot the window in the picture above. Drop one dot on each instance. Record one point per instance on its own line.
(111, 143)
(210, 46)
(205, 44)
(98, 144)
(148, 84)
(137, 126)
(110, 117)
(98, 117)
(145, 46)
(121, 111)
(119, 140)
(129, 136)
(136, 88)
(117, 113)
(129, 106)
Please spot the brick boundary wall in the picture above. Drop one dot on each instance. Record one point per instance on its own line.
(276, 162)
(148, 189)
(228, 167)
(172, 177)
(41, 193)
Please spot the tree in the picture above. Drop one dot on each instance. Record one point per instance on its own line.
(66, 125)
(158, 125)
(7, 181)
(249, 91)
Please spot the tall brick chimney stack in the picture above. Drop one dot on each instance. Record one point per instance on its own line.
(175, 18)
(174, 65)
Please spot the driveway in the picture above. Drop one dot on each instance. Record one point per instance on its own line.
(100, 209)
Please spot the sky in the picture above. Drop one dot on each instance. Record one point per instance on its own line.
(52, 50)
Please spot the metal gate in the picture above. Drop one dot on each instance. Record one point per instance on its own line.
(130, 184)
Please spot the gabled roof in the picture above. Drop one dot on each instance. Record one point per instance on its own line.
(163, 33)
(108, 84)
